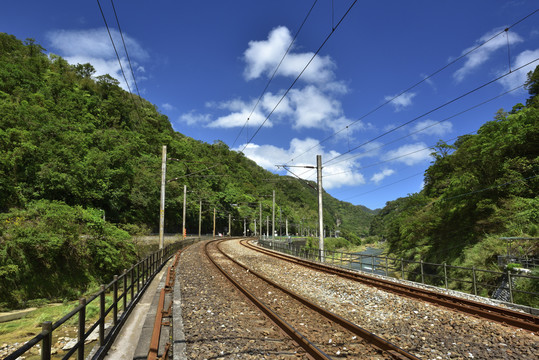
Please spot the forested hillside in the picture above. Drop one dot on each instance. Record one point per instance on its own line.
(482, 187)
(69, 140)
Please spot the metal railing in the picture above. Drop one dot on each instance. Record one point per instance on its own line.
(502, 285)
(131, 284)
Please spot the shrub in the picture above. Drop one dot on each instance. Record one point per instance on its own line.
(50, 250)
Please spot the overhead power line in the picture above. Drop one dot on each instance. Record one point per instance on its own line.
(432, 110)
(118, 58)
(125, 48)
(300, 74)
(275, 72)
(415, 85)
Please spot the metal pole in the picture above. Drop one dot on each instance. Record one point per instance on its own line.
(286, 225)
(273, 218)
(82, 322)
(183, 218)
(214, 223)
(255, 226)
(267, 226)
(46, 346)
(162, 206)
(244, 228)
(229, 224)
(320, 206)
(200, 219)
(260, 203)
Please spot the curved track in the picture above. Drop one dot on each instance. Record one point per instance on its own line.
(317, 324)
(494, 313)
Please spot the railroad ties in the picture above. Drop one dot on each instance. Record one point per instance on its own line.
(230, 309)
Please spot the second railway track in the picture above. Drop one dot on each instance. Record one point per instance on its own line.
(322, 334)
(493, 313)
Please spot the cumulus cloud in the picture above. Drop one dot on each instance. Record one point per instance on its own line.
(262, 57)
(93, 46)
(431, 127)
(305, 108)
(402, 101)
(193, 118)
(376, 178)
(304, 153)
(168, 107)
(518, 78)
(410, 154)
(482, 54)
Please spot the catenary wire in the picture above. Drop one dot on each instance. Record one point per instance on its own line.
(301, 73)
(274, 73)
(432, 110)
(414, 85)
(125, 48)
(119, 61)
(416, 132)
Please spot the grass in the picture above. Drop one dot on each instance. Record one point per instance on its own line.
(24, 329)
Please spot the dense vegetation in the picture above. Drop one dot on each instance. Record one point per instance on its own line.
(74, 146)
(477, 190)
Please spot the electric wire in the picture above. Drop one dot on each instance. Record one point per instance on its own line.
(433, 124)
(274, 73)
(300, 74)
(118, 58)
(413, 133)
(432, 110)
(415, 85)
(125, 48)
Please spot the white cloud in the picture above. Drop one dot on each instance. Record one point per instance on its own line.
(402, 101)
(262, 57)
(305, 108)
(93, 46)
(518, 78)
(482, 54)
(168, 107)
(304, 153)
(410, 154)
(376, 178)
(431, 127)
(192, 118)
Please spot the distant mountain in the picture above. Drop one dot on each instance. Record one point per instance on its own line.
(68, 136)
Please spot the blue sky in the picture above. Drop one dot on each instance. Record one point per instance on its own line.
(205, 65)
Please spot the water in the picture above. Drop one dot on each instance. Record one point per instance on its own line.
(366, 259)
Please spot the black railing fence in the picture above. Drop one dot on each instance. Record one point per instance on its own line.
(501, 285)
(125, 289)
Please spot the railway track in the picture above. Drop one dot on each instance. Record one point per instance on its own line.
(493, 313)
(320, 333)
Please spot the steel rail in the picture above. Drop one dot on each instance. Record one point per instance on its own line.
(312, 350)
(374, 340)
(494, 313)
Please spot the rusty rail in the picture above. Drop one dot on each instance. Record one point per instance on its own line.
(393, 350)
(494, 313)
(162, 313)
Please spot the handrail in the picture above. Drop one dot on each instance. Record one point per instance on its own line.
(140, 275)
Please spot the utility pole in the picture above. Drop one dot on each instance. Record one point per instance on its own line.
(184, 201)
(162, 206)
(320, 206)
(229, 224)
(261, 231)
(214, 223)
(267, 226)
(286, 223)
(255, 226)
(273, 218)
(200, 219)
